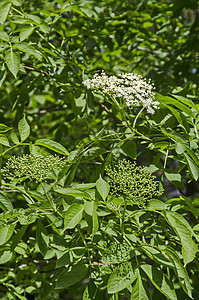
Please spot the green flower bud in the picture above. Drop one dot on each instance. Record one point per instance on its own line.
(136, 184)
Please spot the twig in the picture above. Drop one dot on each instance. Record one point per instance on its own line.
(36, 70)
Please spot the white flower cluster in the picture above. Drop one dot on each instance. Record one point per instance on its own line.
(132, 88)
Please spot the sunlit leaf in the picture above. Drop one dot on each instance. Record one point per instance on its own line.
(185, 233)
(13, 62)
(4, 10)
(160, 281)
(52, 145)
(73, 215)
(103, 188)
(121, 278)
(24, 129)
(25, 32)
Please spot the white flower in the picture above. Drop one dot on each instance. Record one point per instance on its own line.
(132, 88)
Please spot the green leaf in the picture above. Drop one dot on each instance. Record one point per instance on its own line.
(5, 203)
(95, 225)
(190, 205)
(25, 47)
(117, 253)
(70, 256)
(184, 232)
(4, 128)
(37, 20)
(180, 147)
(91, 292)
(36, 195)
(193, 168)
(139, 290)
(4, 140)
(165, 100)
(27, 216)
(88, 12)
(84, 186)
(156, 255)
(4, 36)
(121, 278)
(174, 112)
(180, 270)
(129, 148)
(102, 187)
(18, 236)
(185, 101)
(44, 27)
(64, 260)
(92, 153)
(13, 62)
(17, 2)
(14, 138)
(5, 256)
(6, 231)
(4, 10)
(91, 210)
(25, 32)
(160, 281)
(155, 204)
(174, 178)
(72, 192)
(192, 154)
(73, 215)
(50, 253)
(52, 145)
(24, 129)
(42, 238)
(71, 275)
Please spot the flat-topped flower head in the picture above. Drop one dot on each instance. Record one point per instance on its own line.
(32, 166)
(134, 183)
(132, 88)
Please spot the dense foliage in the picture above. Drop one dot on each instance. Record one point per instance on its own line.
(99, 170)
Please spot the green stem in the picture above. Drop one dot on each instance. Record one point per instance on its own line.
(127, 122)
(125, 119)
(20, 13)
(166, 157)
(134, 131)
(49, 43)
(115, 101)
(123, 218)
(195, 129)
(85, 244)
(129, 243)
(124, 235)
(135, 121)
(20, 144)
(10, 186)
(86, 124)
(50, 201)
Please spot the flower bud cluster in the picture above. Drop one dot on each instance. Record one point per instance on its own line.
(135, 183)
(32, 166)
(132, 88)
